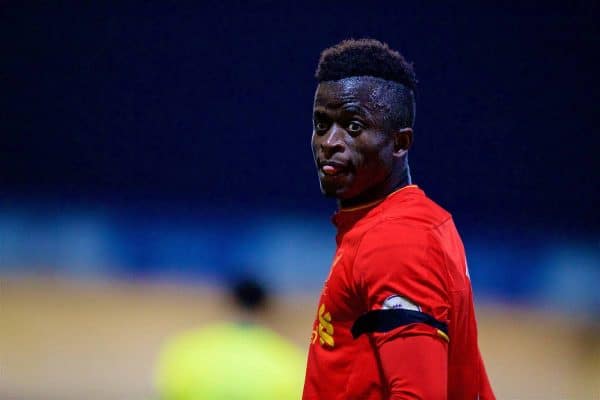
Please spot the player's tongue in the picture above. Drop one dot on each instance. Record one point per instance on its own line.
(330, 169)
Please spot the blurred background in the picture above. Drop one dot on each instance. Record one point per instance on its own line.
(154, 151)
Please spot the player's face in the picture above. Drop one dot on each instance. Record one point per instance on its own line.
(353, 152)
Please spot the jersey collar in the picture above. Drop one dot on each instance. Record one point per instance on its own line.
(346, 217)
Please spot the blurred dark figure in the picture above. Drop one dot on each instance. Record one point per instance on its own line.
(249, 295)
(232, 360)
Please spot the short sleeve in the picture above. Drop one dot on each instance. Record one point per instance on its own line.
(400, 267)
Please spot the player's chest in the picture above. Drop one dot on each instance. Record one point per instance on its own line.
(340, 295)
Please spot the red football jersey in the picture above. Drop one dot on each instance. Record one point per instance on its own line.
(398, 282)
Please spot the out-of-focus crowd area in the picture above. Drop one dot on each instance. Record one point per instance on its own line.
(81, 319)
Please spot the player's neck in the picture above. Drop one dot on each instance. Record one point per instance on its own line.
(396, 181)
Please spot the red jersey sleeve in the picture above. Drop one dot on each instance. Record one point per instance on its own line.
(400, 267)
(422, 372)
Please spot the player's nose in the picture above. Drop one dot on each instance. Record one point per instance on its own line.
(333, 141)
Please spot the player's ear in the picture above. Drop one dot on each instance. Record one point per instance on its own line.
(403, 139)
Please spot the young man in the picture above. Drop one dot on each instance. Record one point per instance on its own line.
(395, 319)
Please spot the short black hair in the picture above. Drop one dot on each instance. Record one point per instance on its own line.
(372, 58)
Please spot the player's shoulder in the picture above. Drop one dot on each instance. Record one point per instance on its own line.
(412, 211)
(412, 220)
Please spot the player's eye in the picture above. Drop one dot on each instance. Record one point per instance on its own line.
(320, 126)
(354, 127)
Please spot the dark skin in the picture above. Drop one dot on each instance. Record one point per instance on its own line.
(359, 157)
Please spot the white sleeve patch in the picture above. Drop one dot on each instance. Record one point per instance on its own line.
(396, 301)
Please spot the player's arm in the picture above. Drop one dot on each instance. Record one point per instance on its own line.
(403, 283)
(415, 367)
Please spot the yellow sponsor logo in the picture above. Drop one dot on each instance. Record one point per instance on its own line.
(325, 330)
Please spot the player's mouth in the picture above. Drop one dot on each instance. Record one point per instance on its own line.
(332, 168)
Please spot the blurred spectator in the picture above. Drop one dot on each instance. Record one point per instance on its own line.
(232, 360)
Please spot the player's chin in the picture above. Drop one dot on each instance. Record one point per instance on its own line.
(337, 188)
